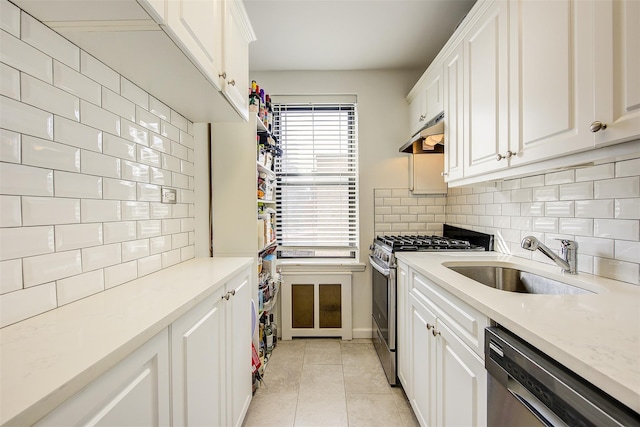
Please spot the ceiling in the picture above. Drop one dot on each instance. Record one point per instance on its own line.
(350, 34)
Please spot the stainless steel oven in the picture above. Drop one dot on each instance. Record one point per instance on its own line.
(383, 277)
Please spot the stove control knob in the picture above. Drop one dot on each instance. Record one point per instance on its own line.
(372, 247)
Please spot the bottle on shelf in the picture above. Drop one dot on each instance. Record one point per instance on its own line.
(268, 335)
(274, 330)
(253, 97)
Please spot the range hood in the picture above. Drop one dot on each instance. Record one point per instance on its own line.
(430, 139)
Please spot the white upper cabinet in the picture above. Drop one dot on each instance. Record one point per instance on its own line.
(425, 101)
(617, 72)
(417, 109)
(433, 91)
(453, 75)
(552, 64)
(486, 112)
(196, 25)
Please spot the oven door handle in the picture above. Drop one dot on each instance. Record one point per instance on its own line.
(384, 271)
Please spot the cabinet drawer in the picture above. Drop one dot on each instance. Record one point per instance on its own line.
(464, 320)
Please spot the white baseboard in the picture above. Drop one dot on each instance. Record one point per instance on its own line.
(363, 333)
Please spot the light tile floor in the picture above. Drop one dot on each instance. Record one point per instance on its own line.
(329, 383)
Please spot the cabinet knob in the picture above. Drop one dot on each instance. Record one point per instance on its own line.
(233, 292)
(429, 326)
(232, 82)
(598, 126)
(226, 296)
(444, 174)
(223, 75)
(422, 117)
(434, 332)
(507, 155)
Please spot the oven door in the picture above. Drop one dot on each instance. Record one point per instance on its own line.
(384, 302)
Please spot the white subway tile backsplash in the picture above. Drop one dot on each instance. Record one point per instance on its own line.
(560, 209)
(170, 226)
(46, 268)
(76, 134)
(512, 184)
(185, 196)
(9, 146)
(182, 181)
(49, 98)
(163, 210)
(118, 105)
(10, 211)
(623, 229)
(150, 228)
(80, 286)
(100, 210)
(119, 274)
(617, 188)
(149, 265)
(527, 209)
(179, 121)
(134, 132)
(9, 82)
(149, 192)
(94, 116)
(189, 252)
(617, 270)
(627, 251)
(50, 210)
(25, 303)
(577, 191)
(563, 177)
(159, 244)
(118, 147)
(133, 93)
(170, 131)
(25, 180)
(98, 164)
(576, 226)
(628, 168)
(72, 81)
(114, 189)
(173, 164)
(627, 208)
(159, 109)
(147, 120)
(10, 276)
(101, 256)
(594, 208)
(159, 143)
(10, 18)
(25, 57)
(50, 155)
(180, 151)
(187, 140)
(135, 211)
(187, 168)
(545, 225)
(43, 38)
(170, 258)
(595, 246)
(182, 239)
(593, 173)
(78, 236)
(115, 232)
(135, 249)
(532, 181)
(96, 70)
(25, 119)
(148, 156)
(135, 171)
(77, 185)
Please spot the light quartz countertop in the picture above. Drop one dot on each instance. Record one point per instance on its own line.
(595, 335)
(46, 359)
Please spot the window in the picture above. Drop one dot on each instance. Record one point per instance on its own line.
(317, 188)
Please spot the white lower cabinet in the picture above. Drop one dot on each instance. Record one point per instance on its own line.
(133, 393)
(444, 378)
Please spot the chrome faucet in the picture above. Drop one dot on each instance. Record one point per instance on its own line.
(568, 250)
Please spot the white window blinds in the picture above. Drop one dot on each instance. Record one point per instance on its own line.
(317, 188)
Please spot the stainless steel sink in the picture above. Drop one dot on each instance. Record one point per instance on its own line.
(513, 280)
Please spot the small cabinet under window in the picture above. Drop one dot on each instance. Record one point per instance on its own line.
(316, 305)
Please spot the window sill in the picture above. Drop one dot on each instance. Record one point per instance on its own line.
(320, 264)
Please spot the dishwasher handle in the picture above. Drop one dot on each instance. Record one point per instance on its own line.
(535, 406)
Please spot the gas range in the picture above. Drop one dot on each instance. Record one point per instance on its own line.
(453, 239)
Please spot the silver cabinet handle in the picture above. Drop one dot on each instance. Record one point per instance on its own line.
(598, 126)
(429, 326)
(444, 174)
(233, 292)
(507, 155)
(422, 117)
(434, 332)
(223, 75)
(226, 296)
(232, 82)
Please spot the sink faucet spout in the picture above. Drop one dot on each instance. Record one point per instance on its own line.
(568, 250)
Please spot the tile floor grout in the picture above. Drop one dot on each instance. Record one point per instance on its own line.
(327, 382)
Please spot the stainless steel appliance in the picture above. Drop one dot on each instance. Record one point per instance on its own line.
(383, 261)
(527, 388)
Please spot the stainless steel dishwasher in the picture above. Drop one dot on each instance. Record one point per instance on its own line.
(527, 388)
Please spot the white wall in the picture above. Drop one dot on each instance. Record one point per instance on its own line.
(382, 128)
(83, 155)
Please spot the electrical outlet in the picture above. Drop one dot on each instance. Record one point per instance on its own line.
(169, 195)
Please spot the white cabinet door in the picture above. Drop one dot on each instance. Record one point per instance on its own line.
(433, 91)
(617, 88)
(238, 348)
(236, 57)
(461, 382)
(133, 393)
(423, 355)
(486, 111)
(403, 338)
(418, 110)
(552, 96)
(196, 25)
(197, 359)
(453, 83)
